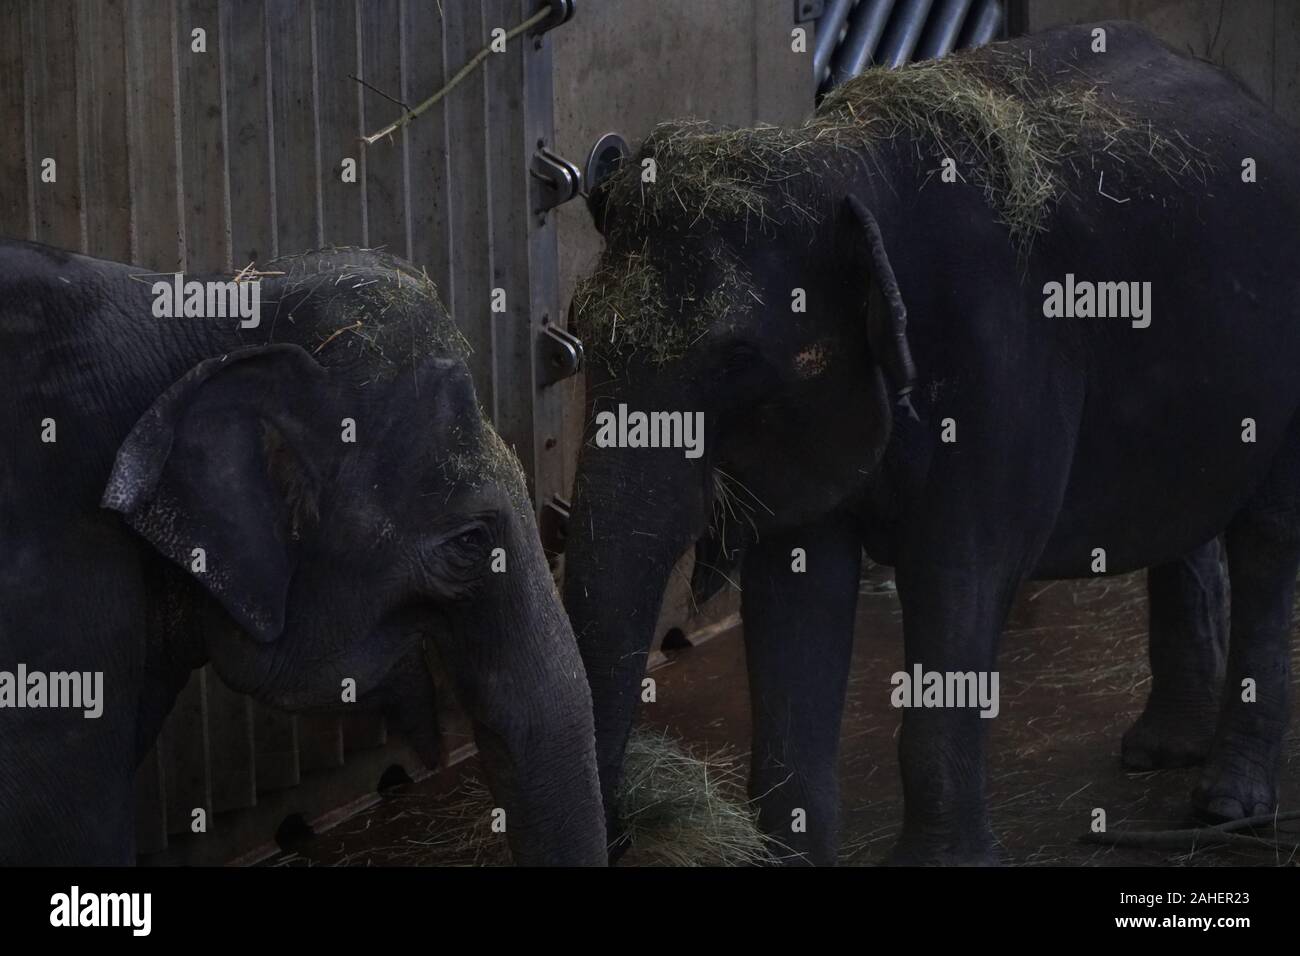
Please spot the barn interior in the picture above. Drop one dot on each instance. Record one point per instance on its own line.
(245, 152)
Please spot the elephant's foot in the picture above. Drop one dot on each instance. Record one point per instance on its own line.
(974, 848)
(1164, 738)
(780, 802)
(1234, 789)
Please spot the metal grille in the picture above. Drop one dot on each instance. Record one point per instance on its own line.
(855, 34)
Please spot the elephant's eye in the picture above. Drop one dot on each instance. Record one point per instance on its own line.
(740, 357)
(472, 541)
(466, 538)
(456, 558)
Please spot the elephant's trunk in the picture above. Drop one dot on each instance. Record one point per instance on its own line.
(518, 674)
(545, 780)
(635, 513)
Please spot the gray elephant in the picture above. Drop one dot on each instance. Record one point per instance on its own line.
(1023, 312)
(298, 489)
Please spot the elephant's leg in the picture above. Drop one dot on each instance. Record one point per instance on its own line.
(798, 642)
(952, 619)
(969, 537)
(67, 781)
(1188, 615)
(1263, 545)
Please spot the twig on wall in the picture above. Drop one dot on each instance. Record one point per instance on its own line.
(475, 61)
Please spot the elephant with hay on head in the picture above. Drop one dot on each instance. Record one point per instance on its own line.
(869, 312)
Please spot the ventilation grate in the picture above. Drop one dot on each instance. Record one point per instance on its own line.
(855, 34)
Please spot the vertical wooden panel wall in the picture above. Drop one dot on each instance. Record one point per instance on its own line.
(176, 159)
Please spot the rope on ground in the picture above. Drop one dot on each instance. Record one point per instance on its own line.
(1203, 838)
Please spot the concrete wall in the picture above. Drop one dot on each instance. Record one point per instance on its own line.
(1258, 40)
(625, 65)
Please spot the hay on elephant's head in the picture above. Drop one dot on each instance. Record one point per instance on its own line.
(1028, 140)
(701, 172)
(368, 306)
(679, 809)
(630, 306)
(477, 456)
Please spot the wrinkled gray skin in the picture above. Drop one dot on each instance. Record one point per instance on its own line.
(1072, 435)
(325, 560)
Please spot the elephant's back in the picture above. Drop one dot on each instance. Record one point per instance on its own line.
(1183, 97)
(1211, 219)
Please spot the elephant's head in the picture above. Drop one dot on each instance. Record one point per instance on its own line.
(338, 520)
(736, 285)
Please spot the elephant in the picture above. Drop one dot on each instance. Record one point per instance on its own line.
(303, 494)
(1024, 312)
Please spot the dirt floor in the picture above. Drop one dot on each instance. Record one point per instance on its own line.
(1073, 676)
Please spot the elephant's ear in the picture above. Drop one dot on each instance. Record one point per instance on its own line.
(223, 462)
(886, 313)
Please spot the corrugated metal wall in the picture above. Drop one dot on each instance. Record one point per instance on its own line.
(206, 161)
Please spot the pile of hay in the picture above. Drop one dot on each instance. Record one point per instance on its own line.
(1028, 140)
(1010, 127)
(679, 809)
(683, 810)
(1013, 128)
(628, 306)
(703, 172)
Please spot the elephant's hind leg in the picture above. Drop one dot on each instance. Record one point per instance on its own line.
(1263, 545)
(1188, 615)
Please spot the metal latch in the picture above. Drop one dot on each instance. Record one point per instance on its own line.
(558, 180)
(553, 524)
(805, 10)
(561, 12)
(559, 355)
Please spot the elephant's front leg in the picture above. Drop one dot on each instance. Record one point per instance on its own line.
(962, 561)
(953, 612)
(1188, 613)
(800, 593)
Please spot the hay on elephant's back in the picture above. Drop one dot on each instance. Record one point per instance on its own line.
(680, 809)
(1021, 135)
